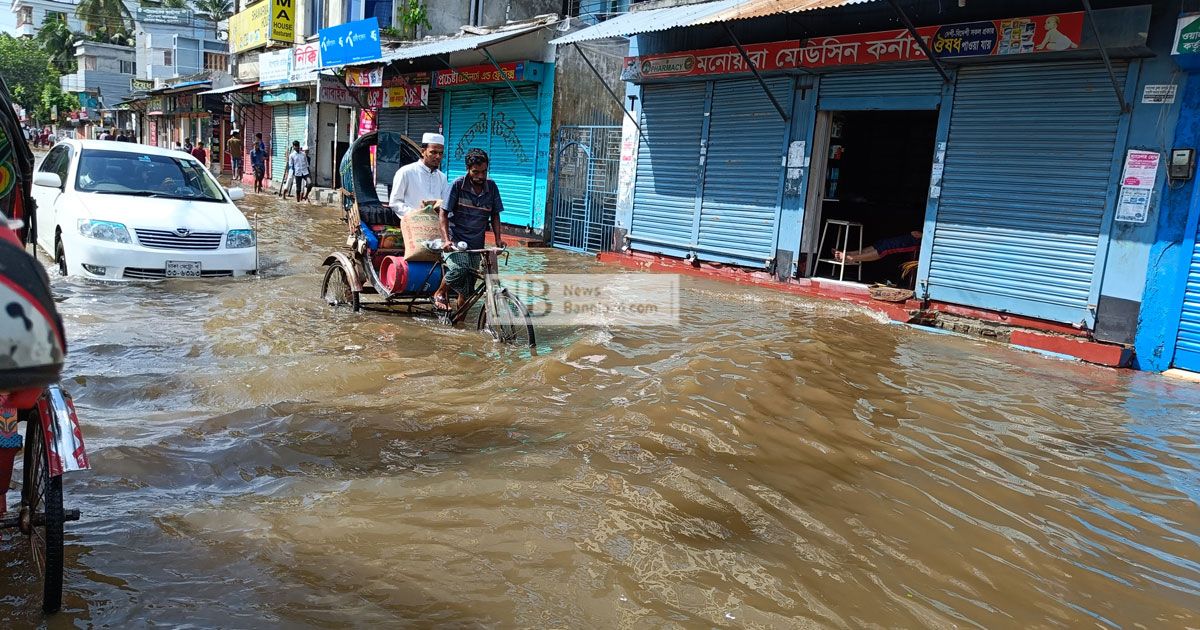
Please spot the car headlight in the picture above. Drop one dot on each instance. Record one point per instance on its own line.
(238, 239)
(104, 231)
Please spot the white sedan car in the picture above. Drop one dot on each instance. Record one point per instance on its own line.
(125, 211)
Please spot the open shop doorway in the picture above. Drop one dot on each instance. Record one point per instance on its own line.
(869, 195)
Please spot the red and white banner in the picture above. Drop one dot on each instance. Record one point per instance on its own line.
(364, 77)
(1015, 36)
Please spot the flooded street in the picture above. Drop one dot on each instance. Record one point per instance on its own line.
(262, 460)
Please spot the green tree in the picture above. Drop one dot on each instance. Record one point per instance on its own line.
(214, 11)
(57, 40)
(31, 78)
(107, 17)
(175, 4)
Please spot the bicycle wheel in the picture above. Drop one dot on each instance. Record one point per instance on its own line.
(512, 322)
(42, 513)
(336, 289)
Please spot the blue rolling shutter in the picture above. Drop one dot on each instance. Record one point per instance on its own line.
(469, 126)
(910, 88)
(664, 201)
(1187, 344)
(1028, 171)
(514, 154)
(280, 140)
(743, 174)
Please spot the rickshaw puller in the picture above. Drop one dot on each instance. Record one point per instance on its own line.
(471, 206)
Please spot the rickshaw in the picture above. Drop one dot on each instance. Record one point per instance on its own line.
(375, 264)
(35, 346)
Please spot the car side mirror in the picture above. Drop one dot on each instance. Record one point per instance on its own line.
(236, 194)
(47, 179)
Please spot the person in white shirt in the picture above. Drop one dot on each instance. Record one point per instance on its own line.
(298, 163)
(422, 180)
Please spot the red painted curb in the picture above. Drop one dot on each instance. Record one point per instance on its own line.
(1090, 351)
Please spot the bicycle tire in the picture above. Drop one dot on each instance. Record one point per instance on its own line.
(42, 514)
(513, 326)
(345, 294)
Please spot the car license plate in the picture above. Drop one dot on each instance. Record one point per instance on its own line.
(183, 269)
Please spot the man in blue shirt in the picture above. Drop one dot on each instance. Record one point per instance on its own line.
(472, 206)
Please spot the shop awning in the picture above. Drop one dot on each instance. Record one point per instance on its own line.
(456, 44)
(232, 88)
(652, 20)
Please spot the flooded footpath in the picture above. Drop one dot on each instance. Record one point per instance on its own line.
(262, 460)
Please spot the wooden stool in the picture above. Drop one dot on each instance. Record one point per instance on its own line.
(843, 237)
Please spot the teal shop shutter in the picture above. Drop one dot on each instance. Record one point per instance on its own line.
(469, 127)
(1028, 173)
(1187, 344)
(280, 140)
(298, 123)
(513, 153)
(664, 201)
(743, 173)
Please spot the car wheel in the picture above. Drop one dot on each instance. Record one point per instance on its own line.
(60, 256)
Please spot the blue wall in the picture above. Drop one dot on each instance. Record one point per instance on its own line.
(1155, 344)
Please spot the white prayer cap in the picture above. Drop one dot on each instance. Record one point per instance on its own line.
(433, 138)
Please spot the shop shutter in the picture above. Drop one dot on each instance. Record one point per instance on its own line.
(912, 88)
(743, 172)
(280, 140)
(413, 121)
(664, 200)
(1028, 172)
(470, 115)
(513, 153)
(1187, 344)
(298, 124)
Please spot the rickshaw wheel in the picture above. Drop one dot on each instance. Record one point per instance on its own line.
(42, 513)
(513, 324)
(336, 289)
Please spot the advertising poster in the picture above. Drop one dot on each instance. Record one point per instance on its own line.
(1141, 169)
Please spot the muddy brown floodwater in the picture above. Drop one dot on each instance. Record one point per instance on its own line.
(262, 460)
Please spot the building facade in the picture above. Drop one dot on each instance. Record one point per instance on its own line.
(1030, 168)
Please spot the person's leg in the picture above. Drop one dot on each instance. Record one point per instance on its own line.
(869, 254)
(10, 447)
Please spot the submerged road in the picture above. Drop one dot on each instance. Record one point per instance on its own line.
(262, 460)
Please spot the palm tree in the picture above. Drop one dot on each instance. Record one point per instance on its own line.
(214, 11)
(57, 39)
(175, 4)
(106, 17)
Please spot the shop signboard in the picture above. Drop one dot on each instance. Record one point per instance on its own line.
(406, 96)
(141, 85)
(411, 78)
(275, 67)
(512, 71)
(1015, 36)
(161, 15)
(330, 89)
(269, 20)
(352, 42)
(364, 77)
(154, 107)
(289, 95)
(1187, 35)
(374, 98)
(306, 58)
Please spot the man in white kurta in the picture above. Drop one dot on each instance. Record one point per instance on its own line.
(422, 180)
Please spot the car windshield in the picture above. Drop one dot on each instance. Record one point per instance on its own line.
(123, 173)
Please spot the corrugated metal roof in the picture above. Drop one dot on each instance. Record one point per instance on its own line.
(651, 20)
(455, 44)
(231, 88)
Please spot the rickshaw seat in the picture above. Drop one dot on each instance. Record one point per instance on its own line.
(377, 214)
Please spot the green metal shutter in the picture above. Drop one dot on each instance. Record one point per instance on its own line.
(1026, 189)
(280, 140)
(664, 199)
(514, 154)
(743, 173)
(1187, 343)
(298, 122)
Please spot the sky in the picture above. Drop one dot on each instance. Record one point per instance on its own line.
(8, 19)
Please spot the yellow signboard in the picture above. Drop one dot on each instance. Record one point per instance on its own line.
(258, 24)
(283, 20)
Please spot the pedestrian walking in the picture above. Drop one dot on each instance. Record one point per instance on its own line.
(234, 146)
(298, 164)
(258, 162)
(199, 153)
